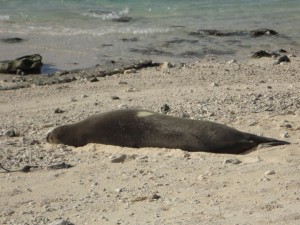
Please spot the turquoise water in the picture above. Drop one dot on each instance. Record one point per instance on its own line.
(74, 33)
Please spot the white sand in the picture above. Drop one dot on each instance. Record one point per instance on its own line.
(157, 186)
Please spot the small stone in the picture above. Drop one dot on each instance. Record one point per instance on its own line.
(94, 79)
(166, 65)
(123, 106)
(118, 190)
(130, 89)
(7, 212)
(154, 197)
(58, 110)
(285, 135)
(130, 71)
(84, 96)
(60, 222)
(9, 133)
(281, 59)
(234, 161)
(264, 179)
(270, 172)
(165, 109)
(231, 61)
(214, 84)
(118, 158)
(115, 97)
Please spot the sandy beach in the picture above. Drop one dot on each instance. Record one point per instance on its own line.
(153, 185)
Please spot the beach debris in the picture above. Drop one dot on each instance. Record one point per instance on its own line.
(9, 133)
(27, 168)
(165, 109)
(29, 64)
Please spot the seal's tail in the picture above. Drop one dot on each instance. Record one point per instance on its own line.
(266, 140)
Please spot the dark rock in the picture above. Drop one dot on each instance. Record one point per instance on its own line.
(165, 109)
(150, 51)
(129, 39)
(27, 64)
(9, 133)
(115, 97)
(94, 79)
(283, 58)
(261, 53)
(58, 110)
(61, 222)
(207, 32)
(179, 41)
(261, 32)
(123, 19)
(12, 40)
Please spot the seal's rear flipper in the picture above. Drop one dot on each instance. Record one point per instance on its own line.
(271, 144)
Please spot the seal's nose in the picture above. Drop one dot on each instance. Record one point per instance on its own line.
(48, 137)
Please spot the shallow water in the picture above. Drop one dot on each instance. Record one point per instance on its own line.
(75, 34)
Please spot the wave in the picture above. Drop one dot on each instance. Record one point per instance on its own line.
(4, 17)
(106, 14)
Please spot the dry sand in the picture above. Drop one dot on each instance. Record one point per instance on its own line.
(152, 185)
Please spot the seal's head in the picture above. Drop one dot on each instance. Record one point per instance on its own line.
(54, 135)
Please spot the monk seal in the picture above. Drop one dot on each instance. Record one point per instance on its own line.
(141, 128)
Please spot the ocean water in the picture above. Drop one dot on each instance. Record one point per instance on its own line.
(73, 34)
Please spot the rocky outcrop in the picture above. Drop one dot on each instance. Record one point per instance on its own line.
(29, 64)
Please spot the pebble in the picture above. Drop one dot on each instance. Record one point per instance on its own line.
(166, 65)
(270, 172)
(58, 110)
(118, 158)
(9, 133)
(115, 97)
(285, 135)
(84, 96)
(94, 79)
(214, 84)
(131, 90)
(231, 61)
(165, 109)
(234, 161)
(264, 179)
(281, 59)
(130, 71)
(60, 222)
